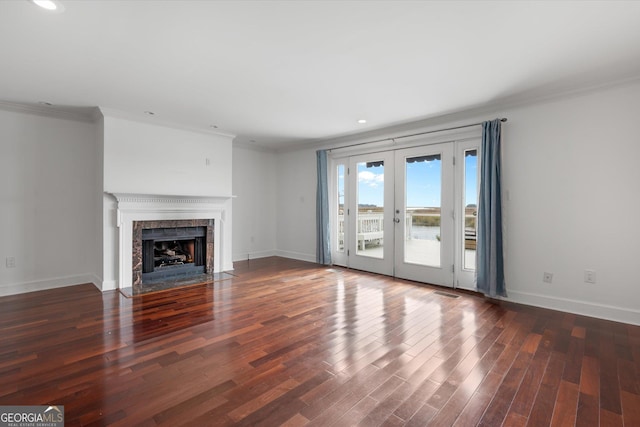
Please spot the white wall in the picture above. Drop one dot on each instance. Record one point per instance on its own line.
(296, 223)
(99, 201)
(155, 159)
(48, 210)
(571, 171)
(254, 208)
(147, 158)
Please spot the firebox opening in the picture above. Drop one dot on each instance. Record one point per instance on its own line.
(173, 252)
(176, 252)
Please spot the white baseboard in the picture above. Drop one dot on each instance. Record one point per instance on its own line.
(109, 285)
(253, 255)
(52, 283)
(296, 255)
(601, 311)
(97, 281)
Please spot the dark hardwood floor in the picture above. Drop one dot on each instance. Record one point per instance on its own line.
(292, 343)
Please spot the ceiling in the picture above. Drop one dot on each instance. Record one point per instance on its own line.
(284, 72)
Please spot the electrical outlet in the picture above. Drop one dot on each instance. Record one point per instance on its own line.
(547, 277)
(11, 262)
(590, 276)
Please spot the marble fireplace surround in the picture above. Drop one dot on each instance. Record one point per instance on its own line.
(138, 226)
(147, 207)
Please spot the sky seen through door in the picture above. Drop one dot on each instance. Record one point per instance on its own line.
(423, 183)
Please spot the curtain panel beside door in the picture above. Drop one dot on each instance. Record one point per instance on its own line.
(323, 232)
(490, 260)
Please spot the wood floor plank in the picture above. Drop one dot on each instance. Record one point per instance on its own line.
(497, 410)
(359, 412)
(609, 419)
(296, 421)
(609, 384)
(475, 408)
(588, 410)
(564, 413)
(545, 401)
(590, 377)
(629, 376)
(630, 408)
(573, 367)
(514, 420)
(253, 405)
(291, 343)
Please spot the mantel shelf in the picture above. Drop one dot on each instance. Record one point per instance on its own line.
(168, 198)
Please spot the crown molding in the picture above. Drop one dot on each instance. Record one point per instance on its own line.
(154, 120)
(253, 146)
(79, 114)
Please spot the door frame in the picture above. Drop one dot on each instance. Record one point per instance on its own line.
(464, 278)
(341, 155)
(357, 260)
(442, 274)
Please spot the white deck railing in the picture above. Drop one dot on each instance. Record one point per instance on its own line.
(371, 228)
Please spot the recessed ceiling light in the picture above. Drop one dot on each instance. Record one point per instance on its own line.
(150, 113)
(50, 5)
(362, 121)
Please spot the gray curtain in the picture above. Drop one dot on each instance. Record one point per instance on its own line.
(490, 268)
(323, 251)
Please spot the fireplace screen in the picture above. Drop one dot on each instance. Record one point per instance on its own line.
(173, 252)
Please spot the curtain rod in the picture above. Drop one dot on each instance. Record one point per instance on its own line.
(408, 136)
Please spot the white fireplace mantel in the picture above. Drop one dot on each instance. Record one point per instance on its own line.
(156, 207)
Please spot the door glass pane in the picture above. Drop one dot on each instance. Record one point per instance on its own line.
(370, 215)
(471, 208)
(340, 205)
(422, 211)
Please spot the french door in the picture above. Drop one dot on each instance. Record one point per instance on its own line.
(410, 213)
(424, 208)
(369, 215)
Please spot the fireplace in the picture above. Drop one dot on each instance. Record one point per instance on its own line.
(170, 250)
(138, 212)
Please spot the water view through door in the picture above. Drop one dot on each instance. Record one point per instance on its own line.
(424, 237)
(370, 213)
